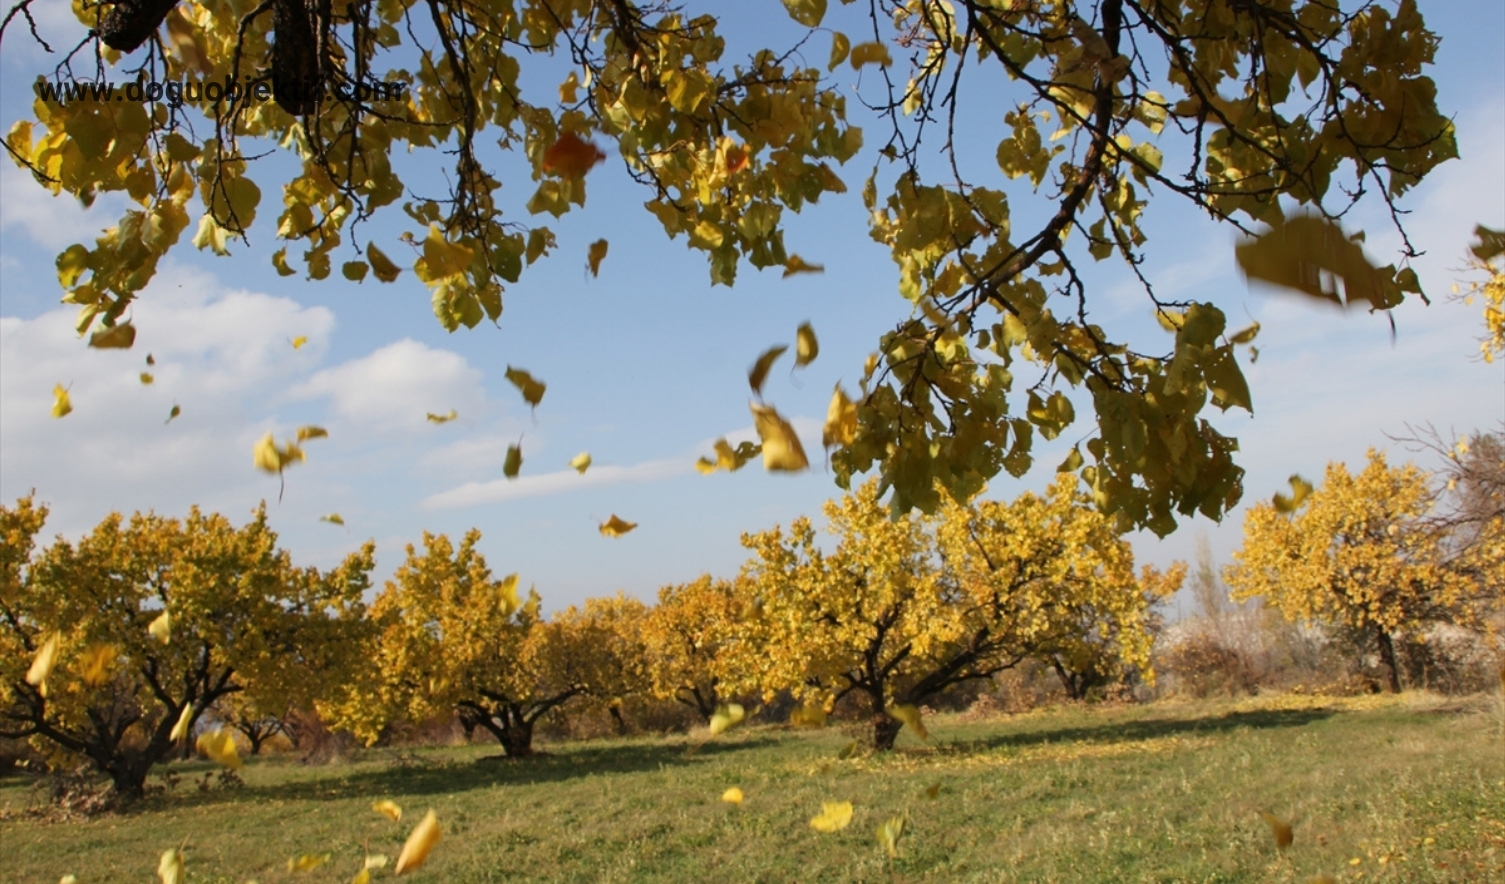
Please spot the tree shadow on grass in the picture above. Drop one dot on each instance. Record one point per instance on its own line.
(411, 774)
(1148, 729)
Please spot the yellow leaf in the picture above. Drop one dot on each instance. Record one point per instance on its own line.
(1246, 335)
(271, 458)
(732, 795)
(514, 462)
(834, 816)
(531, 389)
(782, 450)
(889, 834)
(172, 414)
(615, 527)
(185, 721)
(146, 377)
(299, 341)
(807, 12)
(581, 462)
(311, 432)
(389, 809)
(1311, 254)
(796, 264)
(806, 347)
(161, 628)
(425, 835)
(45, 659)
(759, 372)
(808, 715)
(381, 265)
(307, 862)
(841, 420)
(61, 405)
(117, 337)
(571, 156)
(840, 46)
(442, 418)
(870, 53)
(333, 519)
(849, 750)
(727, 717)
(1300, 488)
(1279, 829)
(170, 867)
(376, 860)
(911, 718)
(596, 255)
(98, 660)
(219, 746)
(362, 877)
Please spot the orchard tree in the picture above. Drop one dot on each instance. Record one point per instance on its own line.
(1271, 116)
(601, 646)
(454, 640)
(686, 636)
(113, 647)
(902, 609)
(1359, 550)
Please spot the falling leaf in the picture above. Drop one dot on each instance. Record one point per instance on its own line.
(849, 750)
(219, 746)
(170, 867)
(736, 158)
(116, 337)
(1300, 488)
(61, 405)
(388, 808)
(841, 420)
(581, 462)
(147, 378)
(571, 156)
(299, 341)
(1244, 336)
(425, 835)
(161, 628)
(732, 796)
(98, 661)
(796, 264)
(615, 527)
(782, 450)
(514, 461)
(728, 458)
(185, 721)
(1280, 829)
(808, 715)
(933, 792)
(362, 877)
(911, 718)
(889, 834)
(869, 53)
(531, 389)
(806, 347)
(442, 418)
(307, 862)
(306, 433)
(596, 255)
(727, 717)
(333, 519)
(377, 860)
(268, 456)
(759, 372)
(834, 816)
(68, 879)
(150, 360)
(46, 658)
(172, 415)
(1311, 254)
(381, 265)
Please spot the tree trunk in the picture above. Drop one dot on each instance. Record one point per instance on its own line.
(517, 738)
(1074, 683)
(885, 731)
(1387, 657)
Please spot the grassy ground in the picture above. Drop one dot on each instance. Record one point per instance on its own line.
(1390, 790)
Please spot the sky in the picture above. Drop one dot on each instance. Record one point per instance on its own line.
(646, 364)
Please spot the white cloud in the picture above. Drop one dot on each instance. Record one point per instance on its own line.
(53, 222)
(473, 493)
(397, 386)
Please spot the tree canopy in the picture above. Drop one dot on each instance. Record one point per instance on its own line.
(1273, 116)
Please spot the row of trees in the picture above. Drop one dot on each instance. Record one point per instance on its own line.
(114, 648)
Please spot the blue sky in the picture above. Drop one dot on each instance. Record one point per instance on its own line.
(646, 364)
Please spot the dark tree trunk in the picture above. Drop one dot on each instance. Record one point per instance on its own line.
(130, 23)
(703, 702)
(1075, 683)
(1387, 657)
(517, 738)
(885, 731)
(509, 725)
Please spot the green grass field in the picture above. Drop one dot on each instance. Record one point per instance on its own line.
(1381, 789)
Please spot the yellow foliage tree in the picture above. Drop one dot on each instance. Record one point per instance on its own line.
(903, 608)
(155, 620)
(1359, 550)
(685, 636)
(452, 639)
(1267, 105)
